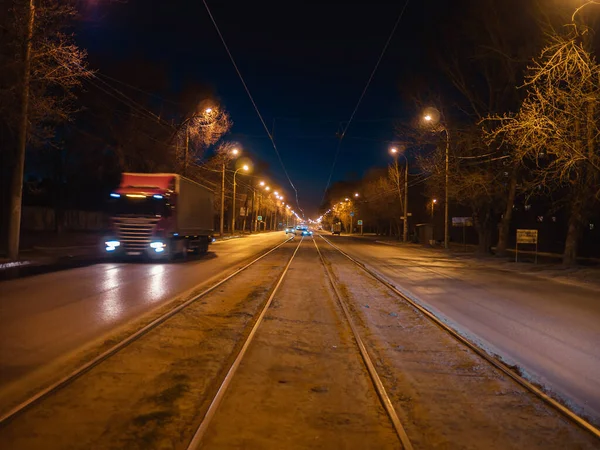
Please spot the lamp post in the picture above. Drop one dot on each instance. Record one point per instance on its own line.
(433, 117)
(245, 168)
(234, 152)
(205, 114)
(395, 153)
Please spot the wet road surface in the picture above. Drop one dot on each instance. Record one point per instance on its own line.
(549, 329)
(45, 317)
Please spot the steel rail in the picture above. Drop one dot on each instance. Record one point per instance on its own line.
(76, 373)
(379, 387)
(218, 398)
(580, 421)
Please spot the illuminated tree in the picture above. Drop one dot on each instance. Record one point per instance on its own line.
(555, 132)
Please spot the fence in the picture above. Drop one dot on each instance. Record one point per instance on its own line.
(35, 218)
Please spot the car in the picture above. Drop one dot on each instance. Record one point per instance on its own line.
(303, 231)
(290, 230)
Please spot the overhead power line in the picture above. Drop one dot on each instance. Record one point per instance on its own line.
(252, 100)
(387, 43)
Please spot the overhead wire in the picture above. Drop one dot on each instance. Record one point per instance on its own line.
(252, 100)
(339, 146)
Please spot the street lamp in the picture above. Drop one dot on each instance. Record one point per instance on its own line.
(206, 112)
(395, 153)
(433, 116)
(433, 202)
(356, 194)
(235, 152)
(245, 168)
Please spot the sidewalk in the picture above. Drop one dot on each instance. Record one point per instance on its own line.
(549, 267)
(43, 252)
(48, 251)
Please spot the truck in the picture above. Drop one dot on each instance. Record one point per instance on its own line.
(160, 216)
(336, 228)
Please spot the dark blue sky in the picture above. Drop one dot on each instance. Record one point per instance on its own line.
(305, 65)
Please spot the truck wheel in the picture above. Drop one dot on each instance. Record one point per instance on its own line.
(185, 250)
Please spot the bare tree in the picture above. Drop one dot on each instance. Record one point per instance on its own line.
(201, 129)
(476, 178)
(40, 67)
(486, 65)
(557, 127)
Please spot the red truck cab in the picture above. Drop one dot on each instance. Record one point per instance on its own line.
(159, 215)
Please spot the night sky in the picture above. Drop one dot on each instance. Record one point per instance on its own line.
(305, 64)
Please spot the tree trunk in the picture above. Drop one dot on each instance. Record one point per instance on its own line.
(485, 240)
(484, 226)
(16, 192)
(506, 218)
(573, 233)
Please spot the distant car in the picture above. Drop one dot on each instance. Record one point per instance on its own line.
(303, 231)
(290, 230)
(336, 228)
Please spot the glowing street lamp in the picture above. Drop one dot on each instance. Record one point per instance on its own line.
(395, 152)
(245, 168)
(235, 152)
(433, 116)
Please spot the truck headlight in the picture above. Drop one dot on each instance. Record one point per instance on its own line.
(111, 245)
(158, 246)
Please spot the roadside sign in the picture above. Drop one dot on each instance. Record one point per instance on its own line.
(243, 211)
(359, 222)
(259, 218)
(352, 214)
(462, 221)
(526, 237)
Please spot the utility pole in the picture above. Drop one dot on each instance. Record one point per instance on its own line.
(187, 150)
(233, 212)
(16, 197)
(446, 229)
(221, 227)
(405, 231)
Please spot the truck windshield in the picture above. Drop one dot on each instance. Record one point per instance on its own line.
(148, 206)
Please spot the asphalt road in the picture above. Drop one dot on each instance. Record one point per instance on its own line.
(45, 318)
(549, 329)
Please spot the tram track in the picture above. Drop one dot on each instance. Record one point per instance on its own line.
(495, 363)
(244, 393)
(192, 372)
(121, 370)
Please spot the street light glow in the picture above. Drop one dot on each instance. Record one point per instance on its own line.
(428, 118)
(235, 151)
(267, 188)
(246, 168)
(262, 183)
(276, 193)
(393, 150)
(435, 200)
(208, 110)
(356, 194)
